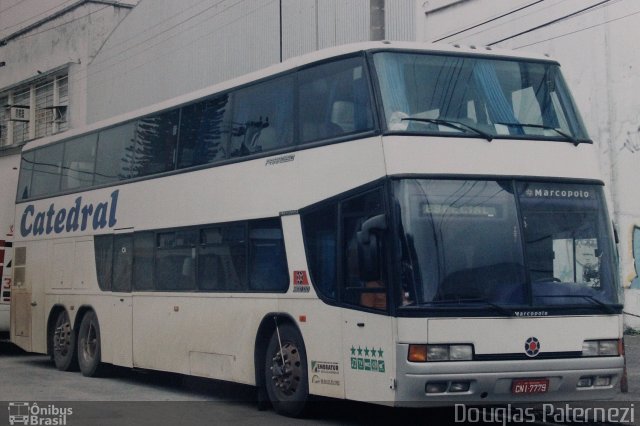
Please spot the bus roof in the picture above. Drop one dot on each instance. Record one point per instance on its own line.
(289, 64)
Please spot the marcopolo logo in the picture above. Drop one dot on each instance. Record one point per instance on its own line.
(32, 414)
(557, 193)
(79, 216)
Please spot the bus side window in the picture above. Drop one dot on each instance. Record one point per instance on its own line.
(114, 159)
(175, 260)
(143, 248)
(262, 117)
(79, 162)
(46, 170)
(222, 258)
(156, 140)
(370, 293)
(267, 258)
(321, 240)
(334, 100)
(122, 262)
(103, 247)
(26, 172)
(204, 132)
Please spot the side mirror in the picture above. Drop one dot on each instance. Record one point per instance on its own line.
(369, 247)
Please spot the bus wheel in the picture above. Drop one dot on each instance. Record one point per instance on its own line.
(64, 343)
(286, 372)
(89, 352)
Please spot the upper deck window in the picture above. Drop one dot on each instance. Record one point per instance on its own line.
(320, 103)
(476, 96)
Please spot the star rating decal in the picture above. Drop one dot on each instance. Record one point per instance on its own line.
(367, 359)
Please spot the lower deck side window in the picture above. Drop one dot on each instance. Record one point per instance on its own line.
(246, 256)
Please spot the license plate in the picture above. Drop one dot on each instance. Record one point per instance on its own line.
(528, 386)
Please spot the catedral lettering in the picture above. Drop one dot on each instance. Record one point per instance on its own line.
(78, 217)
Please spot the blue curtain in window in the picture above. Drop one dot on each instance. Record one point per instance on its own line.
(500, 110)
(393, 85)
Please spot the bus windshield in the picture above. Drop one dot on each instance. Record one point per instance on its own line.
(477, 97)
(504, 243)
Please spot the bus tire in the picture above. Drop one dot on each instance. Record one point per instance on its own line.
(287, 385)
(64, 343)
(89, 348)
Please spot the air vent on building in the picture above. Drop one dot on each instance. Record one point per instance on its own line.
(19, 113)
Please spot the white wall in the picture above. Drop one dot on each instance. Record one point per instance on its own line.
(9, 165)
(18, 14)
(166, 48)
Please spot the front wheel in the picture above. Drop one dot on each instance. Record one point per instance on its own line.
(64, 343)
(89, 350)
(286, 372)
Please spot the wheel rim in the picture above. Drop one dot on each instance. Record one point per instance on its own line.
(62, 336)
(90, 342)
(286, 370)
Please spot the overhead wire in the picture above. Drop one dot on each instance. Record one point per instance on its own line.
(164, 53)
(59, 6)
(64, 23)
(552, 22)
(12, 6)
(147, 29)
(488, 21)
(508, 21)
(104, 68)
(580, 30)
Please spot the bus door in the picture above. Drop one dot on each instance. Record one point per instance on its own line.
(368, 329)
(20, 302)
(28, 296)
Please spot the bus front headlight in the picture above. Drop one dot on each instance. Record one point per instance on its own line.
(435, 353)
(600, 348)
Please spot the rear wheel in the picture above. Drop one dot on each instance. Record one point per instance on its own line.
(286, 377)
(89, 350)
(64, 343)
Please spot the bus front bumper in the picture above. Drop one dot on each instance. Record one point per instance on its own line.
(494, 382)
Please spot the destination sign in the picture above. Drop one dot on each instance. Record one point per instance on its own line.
(447, 209)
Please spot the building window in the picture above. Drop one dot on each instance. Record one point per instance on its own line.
(4, 123)
(34, 110)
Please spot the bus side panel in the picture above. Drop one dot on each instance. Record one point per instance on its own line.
(5, 284)
(319, 323)
(204, 335)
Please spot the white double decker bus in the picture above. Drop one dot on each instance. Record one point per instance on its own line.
(397, 223)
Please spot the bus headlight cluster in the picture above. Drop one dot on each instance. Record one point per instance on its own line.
(601, 348)
(425, 353)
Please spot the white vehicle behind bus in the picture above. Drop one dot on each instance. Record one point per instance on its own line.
(397, 223)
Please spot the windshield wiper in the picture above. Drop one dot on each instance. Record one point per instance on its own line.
(565, 135)
(610, 309)
(453, 124)
(504, 311)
